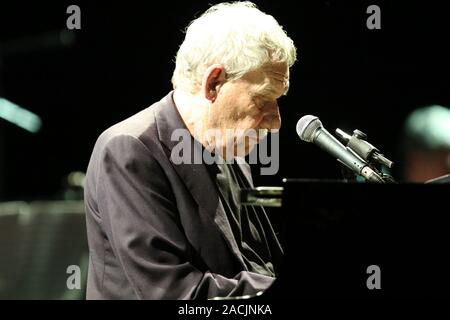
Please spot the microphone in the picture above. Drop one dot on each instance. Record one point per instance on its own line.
(310, 129)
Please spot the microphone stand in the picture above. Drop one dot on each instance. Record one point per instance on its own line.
(358, 144)
(349, 175)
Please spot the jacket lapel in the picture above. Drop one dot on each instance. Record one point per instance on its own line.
(196, 177)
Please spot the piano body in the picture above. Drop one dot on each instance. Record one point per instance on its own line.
(360, 240)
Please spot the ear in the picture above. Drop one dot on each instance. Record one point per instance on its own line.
(213, 79)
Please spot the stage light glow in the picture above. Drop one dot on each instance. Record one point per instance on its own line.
(19, 116)
(432, 124)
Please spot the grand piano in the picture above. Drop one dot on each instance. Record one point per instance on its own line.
(360, 240)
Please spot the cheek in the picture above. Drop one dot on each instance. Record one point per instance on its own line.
(252, 118)
(240, 112)
(245, 110)
(255, 110)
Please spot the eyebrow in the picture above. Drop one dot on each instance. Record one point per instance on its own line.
(283, 75)
(279, 76)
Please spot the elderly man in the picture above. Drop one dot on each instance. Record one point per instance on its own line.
(161, 229)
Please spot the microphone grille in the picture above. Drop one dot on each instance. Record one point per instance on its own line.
(306, 127)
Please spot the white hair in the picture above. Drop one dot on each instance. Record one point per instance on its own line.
(236, 35)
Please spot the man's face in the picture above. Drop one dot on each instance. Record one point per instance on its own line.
(249, 104)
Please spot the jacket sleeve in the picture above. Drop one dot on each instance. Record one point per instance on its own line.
(140, 218)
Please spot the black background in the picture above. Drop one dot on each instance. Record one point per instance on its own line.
(122, 61)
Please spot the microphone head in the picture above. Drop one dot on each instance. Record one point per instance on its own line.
(306, 127)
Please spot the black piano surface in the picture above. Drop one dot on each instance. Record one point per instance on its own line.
(334, 232)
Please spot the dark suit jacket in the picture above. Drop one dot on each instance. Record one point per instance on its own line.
(157, 230)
